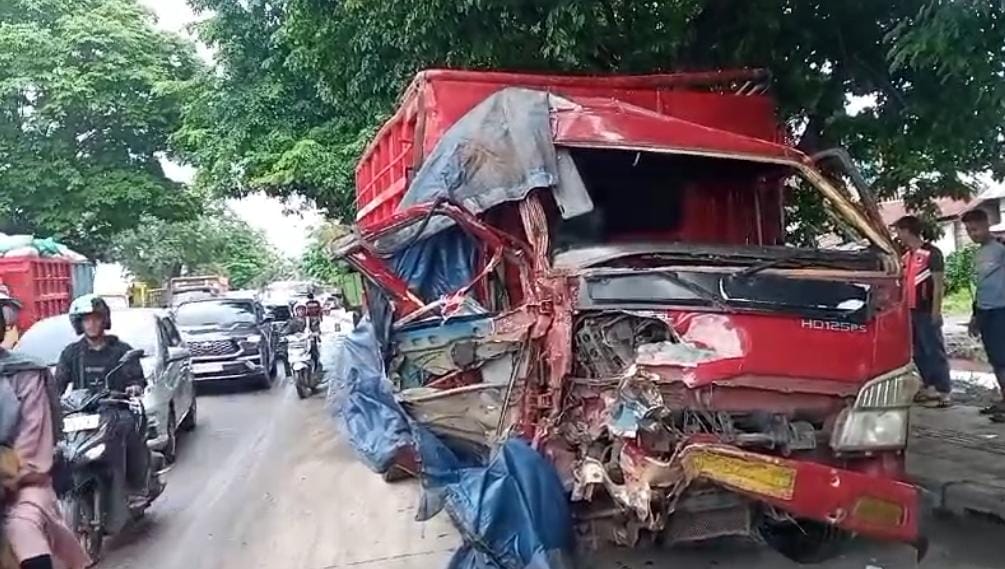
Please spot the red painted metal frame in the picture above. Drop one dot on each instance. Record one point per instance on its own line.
(437, 98)
(828, 494)
(359, 253)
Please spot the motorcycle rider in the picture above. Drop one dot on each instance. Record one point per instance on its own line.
(295, 325)
(299, 323)
(29, 425)
(84, 365)
(298, 320)
(314, 312)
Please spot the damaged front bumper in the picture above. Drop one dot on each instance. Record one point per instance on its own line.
(880, 508)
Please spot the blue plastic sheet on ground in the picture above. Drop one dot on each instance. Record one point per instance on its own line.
(360, 396)
(511, 511)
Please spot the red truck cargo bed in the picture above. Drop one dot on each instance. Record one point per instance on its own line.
(42, 286)
(436, 99)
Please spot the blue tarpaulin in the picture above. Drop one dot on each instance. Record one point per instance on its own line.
(438, 264)
(511, 510)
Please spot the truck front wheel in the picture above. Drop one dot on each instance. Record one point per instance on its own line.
(803, 541)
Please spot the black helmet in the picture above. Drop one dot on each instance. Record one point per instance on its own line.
(89, 304)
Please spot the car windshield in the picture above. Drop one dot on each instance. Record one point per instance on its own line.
(46, 339)
(227, 313)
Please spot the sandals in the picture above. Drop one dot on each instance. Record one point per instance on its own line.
(942, 401)
(925, 396)
(994, 409)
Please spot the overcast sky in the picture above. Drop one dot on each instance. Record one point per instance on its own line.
(288, 233)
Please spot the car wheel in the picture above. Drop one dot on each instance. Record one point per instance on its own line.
(264, 381)
(189, 422)
(171, 448)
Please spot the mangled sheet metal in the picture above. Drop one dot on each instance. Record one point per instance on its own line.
(640, 390)
(498, 152)
(510, 508)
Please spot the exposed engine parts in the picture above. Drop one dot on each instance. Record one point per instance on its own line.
(606, 343)
(661, 429)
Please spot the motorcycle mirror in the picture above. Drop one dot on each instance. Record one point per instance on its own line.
(131, 355)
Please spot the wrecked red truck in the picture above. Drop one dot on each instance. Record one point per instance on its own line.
(601, 266)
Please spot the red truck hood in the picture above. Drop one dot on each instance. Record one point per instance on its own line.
(776, 351)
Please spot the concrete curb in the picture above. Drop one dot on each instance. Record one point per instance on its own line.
(965, 497)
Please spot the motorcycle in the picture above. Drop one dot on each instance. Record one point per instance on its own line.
(301, 349)
(93, 495)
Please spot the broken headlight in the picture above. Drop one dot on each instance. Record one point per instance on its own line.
(879, 418)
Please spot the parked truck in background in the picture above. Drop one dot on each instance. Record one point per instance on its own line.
(610, 257)
(45, 286)
(184, 289)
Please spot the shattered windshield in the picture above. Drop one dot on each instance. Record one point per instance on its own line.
(645, 197)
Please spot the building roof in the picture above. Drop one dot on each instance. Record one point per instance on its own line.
(948, 208)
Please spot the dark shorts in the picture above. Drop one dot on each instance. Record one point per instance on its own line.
(991, 324)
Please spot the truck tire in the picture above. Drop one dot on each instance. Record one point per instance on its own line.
(804, 541)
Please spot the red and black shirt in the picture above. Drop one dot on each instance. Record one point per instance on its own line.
(919, 266)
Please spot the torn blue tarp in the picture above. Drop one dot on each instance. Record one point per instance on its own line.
(375, 425)
(438, 264)
(511, 510)
(497, 152)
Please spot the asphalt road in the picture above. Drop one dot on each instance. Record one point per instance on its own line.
(263, 483)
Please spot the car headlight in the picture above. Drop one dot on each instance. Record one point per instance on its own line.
(95, 452)
(879, 419)
(253, 339)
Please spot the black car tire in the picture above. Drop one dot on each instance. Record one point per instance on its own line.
(170, 451)
(264, 381)
(188, 424)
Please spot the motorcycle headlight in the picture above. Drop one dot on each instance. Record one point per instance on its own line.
(879, 419)
(95, 452)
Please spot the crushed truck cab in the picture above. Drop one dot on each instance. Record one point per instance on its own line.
(599, 266)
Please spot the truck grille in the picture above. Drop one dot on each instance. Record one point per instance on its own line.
(213, 348)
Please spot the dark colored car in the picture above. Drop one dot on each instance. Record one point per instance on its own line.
(230, 339)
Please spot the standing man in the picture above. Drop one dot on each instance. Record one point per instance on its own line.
(988, 319)
(924, 271)
(32, 524)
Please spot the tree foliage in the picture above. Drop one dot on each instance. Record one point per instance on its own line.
(89, 94)
(304, 82)
(259, 123)
(316, 262)
(960, 269)
(217, 243)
